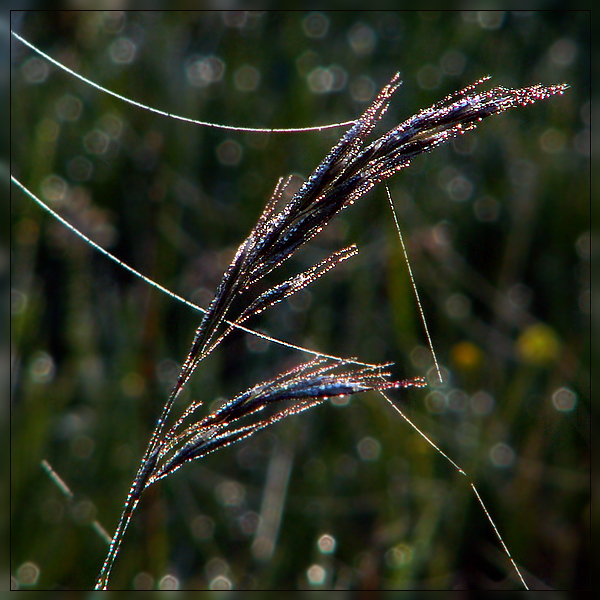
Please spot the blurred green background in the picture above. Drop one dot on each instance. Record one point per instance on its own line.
(497, 228)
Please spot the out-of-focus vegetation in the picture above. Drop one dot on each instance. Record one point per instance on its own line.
(497, 228)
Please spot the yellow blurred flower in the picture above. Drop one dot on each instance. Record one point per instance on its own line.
(538, 345)
(466, 356)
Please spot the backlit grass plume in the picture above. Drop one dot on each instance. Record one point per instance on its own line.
(288, 394)
(349, 171)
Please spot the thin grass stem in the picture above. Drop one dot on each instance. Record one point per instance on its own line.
(414, 285)
(66, 491)
(163, 113)
(497, 532)
(164, 290)
(472, 485)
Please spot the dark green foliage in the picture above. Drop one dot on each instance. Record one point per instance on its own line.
(497, 228)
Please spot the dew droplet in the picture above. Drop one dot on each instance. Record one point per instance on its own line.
(564, 399)
(315, 25)
(326, 543)
(316, 574)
